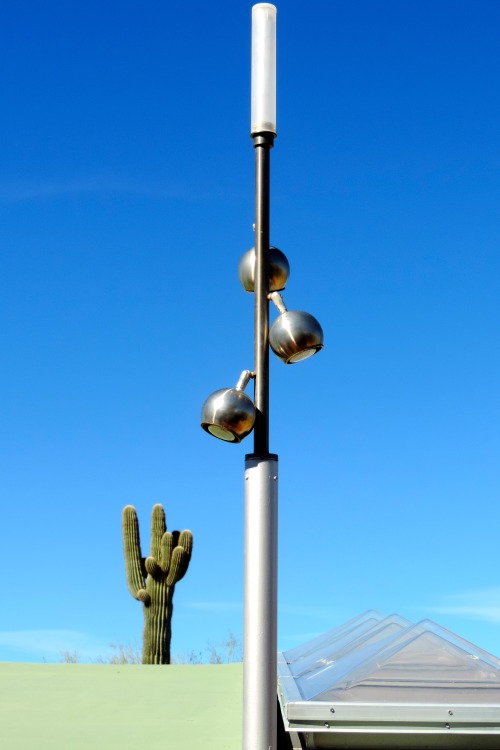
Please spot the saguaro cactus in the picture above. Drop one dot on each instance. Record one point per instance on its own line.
(152, 580)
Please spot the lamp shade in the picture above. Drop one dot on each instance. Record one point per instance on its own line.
(295, 336)
(228, 414)
(263, 97)
(279, 270)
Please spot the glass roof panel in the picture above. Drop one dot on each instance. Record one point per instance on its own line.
(317, 651)
(338, 663)
(371, 659)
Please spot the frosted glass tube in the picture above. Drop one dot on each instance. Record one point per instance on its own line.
(263, 109)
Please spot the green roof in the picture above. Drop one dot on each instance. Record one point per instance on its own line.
(127, 707)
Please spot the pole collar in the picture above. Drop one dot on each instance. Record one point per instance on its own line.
(265, 138)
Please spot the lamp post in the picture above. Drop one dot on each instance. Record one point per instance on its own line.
(230, 415)
(260, 610)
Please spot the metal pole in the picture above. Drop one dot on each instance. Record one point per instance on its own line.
(263, 144)
(260, 612)
(261, 502)
(261, 468)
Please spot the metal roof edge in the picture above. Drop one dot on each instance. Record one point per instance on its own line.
(414, 716)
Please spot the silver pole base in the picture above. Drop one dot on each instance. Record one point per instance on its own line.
(260, 605)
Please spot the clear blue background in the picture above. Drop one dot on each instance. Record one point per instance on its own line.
(126, 200)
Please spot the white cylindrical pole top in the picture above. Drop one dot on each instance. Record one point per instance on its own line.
(263, 109)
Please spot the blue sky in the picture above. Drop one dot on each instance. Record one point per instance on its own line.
(126, 201)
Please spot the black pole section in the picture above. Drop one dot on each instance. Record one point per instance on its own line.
(263, 143)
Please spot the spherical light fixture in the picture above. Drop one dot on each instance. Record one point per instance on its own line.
(295, 335)
(279, 270)
(229, 414)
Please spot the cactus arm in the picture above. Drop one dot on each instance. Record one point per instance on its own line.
(158, 528)
(132, 547)
(143, 596)
(177, 565)
(186, 543)
(181, 556)
(152, 567)
(167, 543)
